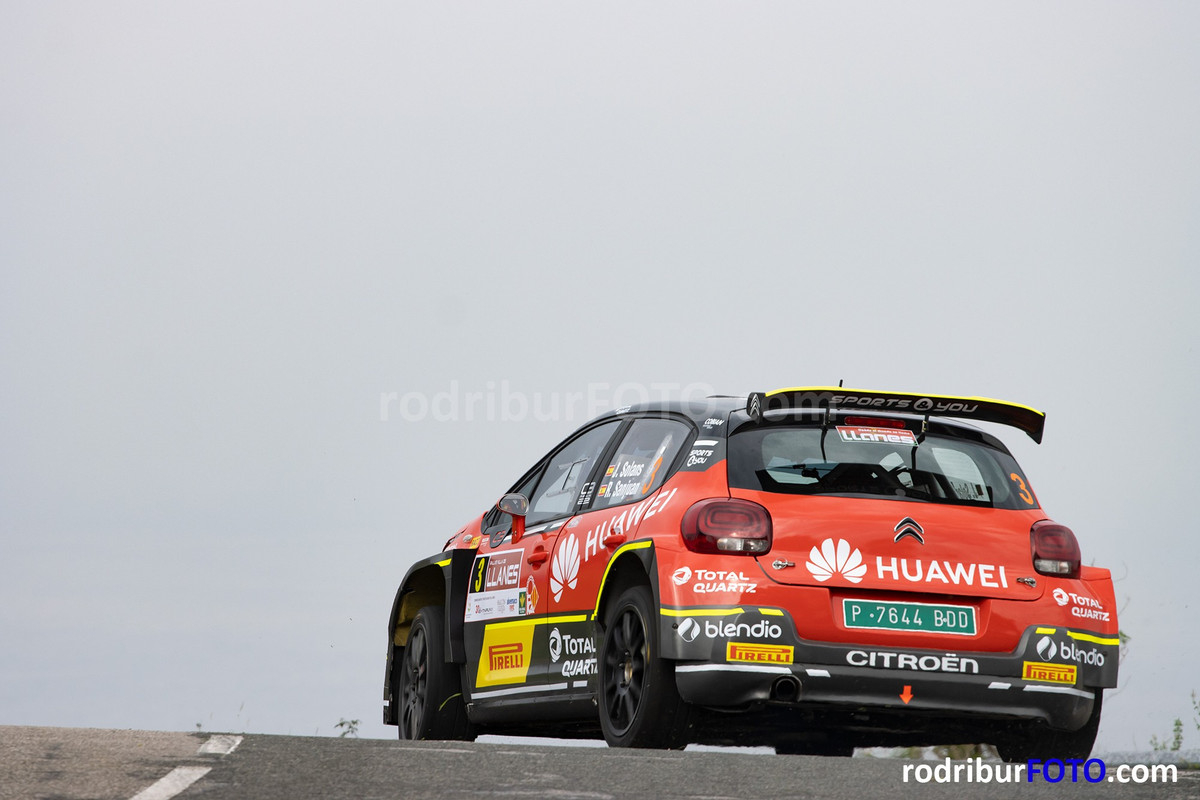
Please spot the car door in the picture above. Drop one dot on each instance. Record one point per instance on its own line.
(626, 492)
(510, 584)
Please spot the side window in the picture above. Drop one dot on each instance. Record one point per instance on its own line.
(566, 473)
(640, 464)
(963, 474)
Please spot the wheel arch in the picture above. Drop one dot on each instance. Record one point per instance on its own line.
(632, 563)
(439, 580)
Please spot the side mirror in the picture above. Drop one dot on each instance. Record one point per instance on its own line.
(517, 506)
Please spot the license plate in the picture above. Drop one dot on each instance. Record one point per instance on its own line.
(889, 615)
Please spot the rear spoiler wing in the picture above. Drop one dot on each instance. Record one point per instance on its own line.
(1024, 418)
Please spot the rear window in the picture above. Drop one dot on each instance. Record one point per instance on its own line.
(878, 462)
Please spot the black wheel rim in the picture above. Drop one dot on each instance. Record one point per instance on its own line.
(625, 669)
(414, 685)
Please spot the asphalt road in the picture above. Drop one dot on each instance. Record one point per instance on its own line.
(65, 764)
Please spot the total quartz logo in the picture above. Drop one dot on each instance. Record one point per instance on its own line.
(714, 581)
(1082, 606)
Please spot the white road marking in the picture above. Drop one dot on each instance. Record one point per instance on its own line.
(172, 783)
(220, 745)
(181, 778)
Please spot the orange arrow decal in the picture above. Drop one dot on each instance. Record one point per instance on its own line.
(906, 695)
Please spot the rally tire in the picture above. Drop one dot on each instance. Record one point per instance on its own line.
(429, 689)
(639, 703)
(1042, 743)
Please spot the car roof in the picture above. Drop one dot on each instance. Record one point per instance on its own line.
(732, 409)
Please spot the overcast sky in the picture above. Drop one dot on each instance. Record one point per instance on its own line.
(230, 232)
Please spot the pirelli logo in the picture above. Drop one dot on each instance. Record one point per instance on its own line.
(505, 657)
(1049, 673)
(758, 653)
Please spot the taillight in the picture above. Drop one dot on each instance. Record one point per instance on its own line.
(1055, 549)
(723, 525)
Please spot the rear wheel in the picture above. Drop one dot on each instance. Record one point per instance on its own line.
(639, 703)
(429, 690)
(1043, 743)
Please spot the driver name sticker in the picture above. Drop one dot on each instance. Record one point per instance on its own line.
(863, 433)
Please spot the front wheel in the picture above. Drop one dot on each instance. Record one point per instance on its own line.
(429, 689)
(639, 703)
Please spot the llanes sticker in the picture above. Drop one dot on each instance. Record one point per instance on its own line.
(495, 588)
(859, 433)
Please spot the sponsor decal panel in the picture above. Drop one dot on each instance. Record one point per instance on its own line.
(625, 478)
(699, 456)
(863, 433)
(495, 588)
(838, 558)
(881, 659)
(1050, 650)
(531, 596)
(719, 629)
(623, 521)
(689, 629)
(755, 653)
(572, 656)
(920, 405)
(564, 567)
(1049, 673)
(505, 655)
(1082, 606)
(708, 581)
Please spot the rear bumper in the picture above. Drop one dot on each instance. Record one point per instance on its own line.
(755, 658)
(862, 688)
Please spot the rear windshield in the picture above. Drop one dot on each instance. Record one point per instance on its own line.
(879, 462)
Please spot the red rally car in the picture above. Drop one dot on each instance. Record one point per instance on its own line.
(814, 569)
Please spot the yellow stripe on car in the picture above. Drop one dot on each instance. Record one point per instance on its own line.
(1087, 637)
(644, 543)
(518, 623)
(701, 612)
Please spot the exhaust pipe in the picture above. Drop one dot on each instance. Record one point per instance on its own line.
(786, 690)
